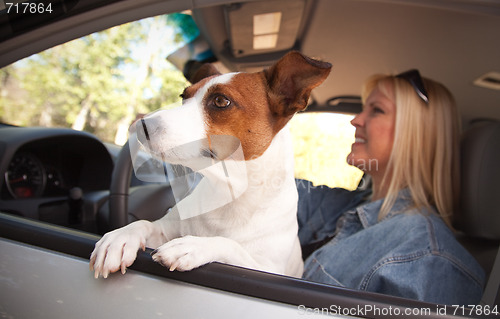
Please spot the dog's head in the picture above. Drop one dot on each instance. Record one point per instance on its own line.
(250, 107)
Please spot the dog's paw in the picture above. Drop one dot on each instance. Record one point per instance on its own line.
(117, 249)
(185, 253)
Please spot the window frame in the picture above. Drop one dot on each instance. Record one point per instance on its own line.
(227, 278)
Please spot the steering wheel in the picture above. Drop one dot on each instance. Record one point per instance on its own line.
(126, 204)
(119, 189)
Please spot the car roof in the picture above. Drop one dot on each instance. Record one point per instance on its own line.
(455, 42)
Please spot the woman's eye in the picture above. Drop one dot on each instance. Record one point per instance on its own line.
(221, 101)
(377, 109)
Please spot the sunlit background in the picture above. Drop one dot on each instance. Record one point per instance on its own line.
(321, 144)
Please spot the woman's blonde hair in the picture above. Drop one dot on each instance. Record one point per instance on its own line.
(425, 153)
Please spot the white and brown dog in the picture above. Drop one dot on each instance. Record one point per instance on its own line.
(259, 228)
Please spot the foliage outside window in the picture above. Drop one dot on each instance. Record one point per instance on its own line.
(98, 83)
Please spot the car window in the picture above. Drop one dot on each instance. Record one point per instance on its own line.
(100, 82)
(322, 142)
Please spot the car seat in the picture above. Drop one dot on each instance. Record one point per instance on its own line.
(479, 215)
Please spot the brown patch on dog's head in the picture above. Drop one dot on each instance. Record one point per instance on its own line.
(254, 107)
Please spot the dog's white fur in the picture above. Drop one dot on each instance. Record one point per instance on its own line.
(258, 230)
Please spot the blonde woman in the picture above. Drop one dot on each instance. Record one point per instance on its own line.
(395, 238)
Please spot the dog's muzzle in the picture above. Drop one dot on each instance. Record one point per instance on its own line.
(204, 174)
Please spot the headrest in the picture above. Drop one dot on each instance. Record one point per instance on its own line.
(480, 193)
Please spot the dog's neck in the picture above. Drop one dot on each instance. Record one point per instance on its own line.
(269, 173)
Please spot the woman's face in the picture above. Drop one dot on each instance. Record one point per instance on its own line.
(374, 134)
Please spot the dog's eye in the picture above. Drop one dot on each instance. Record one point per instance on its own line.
(221, 101)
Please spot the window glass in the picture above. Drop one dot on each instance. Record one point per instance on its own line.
(98, 83)
(322, 142)
(101, 82)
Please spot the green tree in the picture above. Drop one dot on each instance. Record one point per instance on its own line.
(97, 83)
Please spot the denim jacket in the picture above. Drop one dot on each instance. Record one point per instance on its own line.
(408, 253)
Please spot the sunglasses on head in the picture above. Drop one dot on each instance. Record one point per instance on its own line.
(413, 77)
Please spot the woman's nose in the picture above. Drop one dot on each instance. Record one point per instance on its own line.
(358, 120)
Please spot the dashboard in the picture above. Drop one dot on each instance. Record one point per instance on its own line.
(46, 172)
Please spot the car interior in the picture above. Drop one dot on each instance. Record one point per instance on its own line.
(454, 42)
(478, 218)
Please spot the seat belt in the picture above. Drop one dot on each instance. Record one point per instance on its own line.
(491, 290)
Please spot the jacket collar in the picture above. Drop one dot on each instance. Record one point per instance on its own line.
(368, 213)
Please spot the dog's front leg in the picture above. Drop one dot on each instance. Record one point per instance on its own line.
(189, 252)
(117, 249)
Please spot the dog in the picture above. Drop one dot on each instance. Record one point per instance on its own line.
(258, 228)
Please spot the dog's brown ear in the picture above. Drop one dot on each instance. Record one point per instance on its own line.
(203, 71)
(292, 79)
